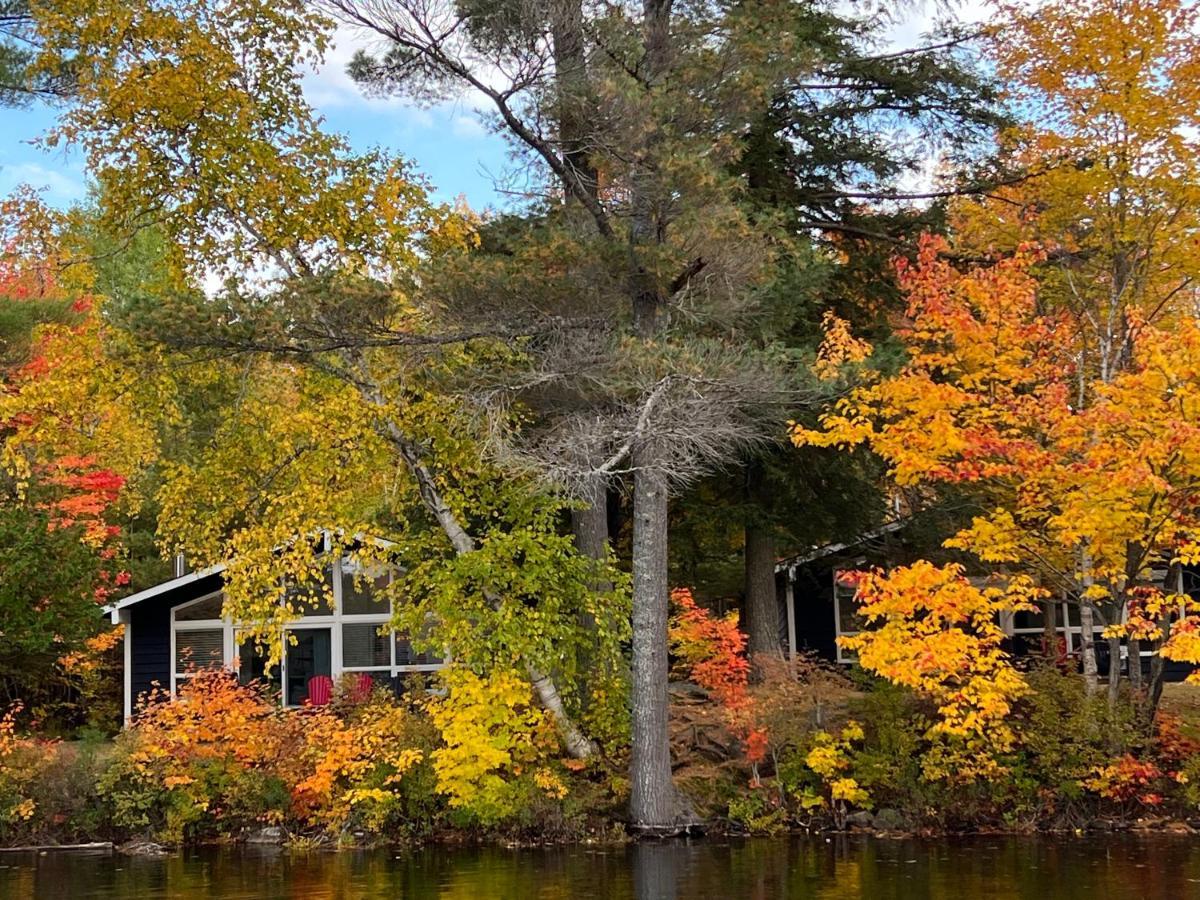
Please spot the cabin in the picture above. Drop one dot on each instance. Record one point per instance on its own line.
(817, 605)
(179, 626)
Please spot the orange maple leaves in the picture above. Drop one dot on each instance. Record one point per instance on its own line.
(932, 630)
(713, 650)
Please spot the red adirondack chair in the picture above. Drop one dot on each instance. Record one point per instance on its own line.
(361, 687)
(320, 690)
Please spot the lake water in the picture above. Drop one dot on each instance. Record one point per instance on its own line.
(1106, 868)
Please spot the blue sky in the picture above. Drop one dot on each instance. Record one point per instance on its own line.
(448, 142)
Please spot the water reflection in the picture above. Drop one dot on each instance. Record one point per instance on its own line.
(1125, 866)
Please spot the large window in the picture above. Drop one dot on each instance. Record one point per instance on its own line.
(313, 599)
(364, 646)
(365, 612)
(252, 666)
(408, 659)
(352, 635)
(199, 638)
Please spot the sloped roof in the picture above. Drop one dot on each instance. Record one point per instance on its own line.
(793, 562)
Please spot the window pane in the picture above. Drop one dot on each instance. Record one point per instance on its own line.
(200, 610)
(252, 666)
(360, 596)
(1026, 619)
(363, 645)
(407, 656)
(204, 649)
(849, 621)
(313, 599)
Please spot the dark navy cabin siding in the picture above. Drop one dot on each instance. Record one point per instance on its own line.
(815, 620)
(150, 634)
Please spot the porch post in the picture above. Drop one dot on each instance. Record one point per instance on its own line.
(789, 594)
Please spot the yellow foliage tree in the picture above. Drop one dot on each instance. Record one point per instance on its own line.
(931, 630)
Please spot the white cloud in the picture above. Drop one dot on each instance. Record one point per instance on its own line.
(61, 185)
(331, 90)
(468, 126)
(330, 86)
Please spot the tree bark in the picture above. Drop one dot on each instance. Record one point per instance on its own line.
(1050, 608)
(1087, 649)
(645, 225)
(1114, 671)
(589, 524)
(571, 85)
(762, 605)
(1158, 671)
(1087, 628)
(653, 803)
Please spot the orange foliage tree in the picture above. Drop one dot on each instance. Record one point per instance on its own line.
(712, 650)
(1081, 498)
(931, 630)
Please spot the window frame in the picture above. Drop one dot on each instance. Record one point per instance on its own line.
(335, 621)
(224, 624)
(843, 657)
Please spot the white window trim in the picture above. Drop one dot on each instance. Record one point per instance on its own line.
(224, 623)
(842, 658)
(333, 622)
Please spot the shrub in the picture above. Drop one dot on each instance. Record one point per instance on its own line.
(712, 652)
(824, 780)
(20, 762)
(204, 763)
(368, 769)
(496, 746)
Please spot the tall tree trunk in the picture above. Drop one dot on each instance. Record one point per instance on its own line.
(589, 524)
(1158, 665)
(653, 802)
(1158, 671)
(1087, 628)
(645, 225)
(572, 87)
(1114, 671)
(1087, 649)
(762, 604)
(1050, 610)
(590, 528)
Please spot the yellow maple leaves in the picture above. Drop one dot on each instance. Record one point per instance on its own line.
(931, 630)
(491, 733)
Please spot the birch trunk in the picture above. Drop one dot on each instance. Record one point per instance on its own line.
(575, 742)
(1087, 629)
(1087, 649)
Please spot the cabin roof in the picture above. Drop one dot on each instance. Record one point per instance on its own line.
(183, 581)
(793, 562)
(165, 587)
